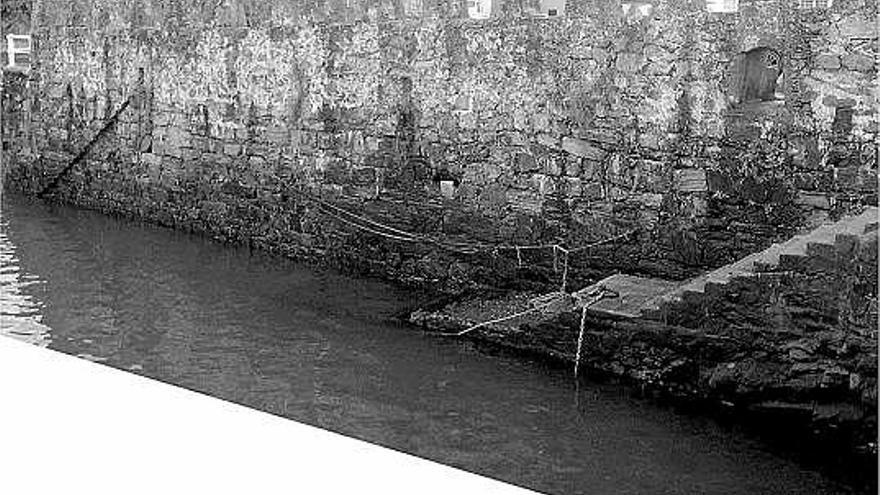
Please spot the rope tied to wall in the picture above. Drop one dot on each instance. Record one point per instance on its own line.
(538, 303)
(585, 301)
(469, 247)
(564, 272)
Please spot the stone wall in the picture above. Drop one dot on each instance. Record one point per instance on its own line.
(561, 131)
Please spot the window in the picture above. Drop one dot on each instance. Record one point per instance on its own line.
(548, 8)
(636, 10)
(18, 52)
(813, 4)
(722, 5)
(479, 9)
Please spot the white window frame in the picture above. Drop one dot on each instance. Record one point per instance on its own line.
(475, 9)
(543, 10)
(722, 6)
(814, 4)
(12, 51)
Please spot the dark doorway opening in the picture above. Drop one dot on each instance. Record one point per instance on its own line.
(762, 67)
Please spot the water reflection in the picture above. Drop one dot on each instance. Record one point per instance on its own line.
(320, 348)
(20, 312)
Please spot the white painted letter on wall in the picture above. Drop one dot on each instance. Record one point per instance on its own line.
(18, 52)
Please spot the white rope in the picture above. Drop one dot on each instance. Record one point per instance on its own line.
(553, 298)
(564, 273)
(598, 294)
(380, 229)
(580, 344)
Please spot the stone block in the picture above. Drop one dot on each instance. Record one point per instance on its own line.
(650, 200)
(541, 121)
(813, 199)
(492, 198)
(584, 149)
(603, 136)
(215, 158)
(629, 63)
(256, 161)
(447, 189)
(57, 134)
(593, 190)
(826, 252)
(548, 140)
(858, 27)
(573, 187)
(858, 62)
(846, 244)
(649, 140)
(232, 149)
(552, 167)
(525, 201)
(525, 162)
(588, 168)
(520, 120)
(690, 180)
(164, 148)
(543, 184)
(364, 176)
(277, 135)
(827, 61)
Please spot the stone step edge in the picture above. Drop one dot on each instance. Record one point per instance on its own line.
(796, 246)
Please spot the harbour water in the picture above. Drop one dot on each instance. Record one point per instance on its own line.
(324, 349)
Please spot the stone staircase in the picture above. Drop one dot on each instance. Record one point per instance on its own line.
(640, 297)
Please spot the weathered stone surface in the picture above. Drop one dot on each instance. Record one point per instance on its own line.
(548, 140)
(858, 27)
(827, 61)
(629, 63)
(581, 148)
(858, 62)
(690, 180)
(815, 200)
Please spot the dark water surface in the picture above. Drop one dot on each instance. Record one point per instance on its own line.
(322, 349)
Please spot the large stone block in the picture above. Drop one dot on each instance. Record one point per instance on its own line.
(814, 200)
(543, 184)
(690, 180)
(525, 201)
(857, 27)
(525, 162)
(629, 63)
(827, 61)
(584, 149)
(548, 140)
(858, 62)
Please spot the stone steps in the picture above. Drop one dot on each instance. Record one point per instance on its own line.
(647, 297)
(633, 294)
(822, 239)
